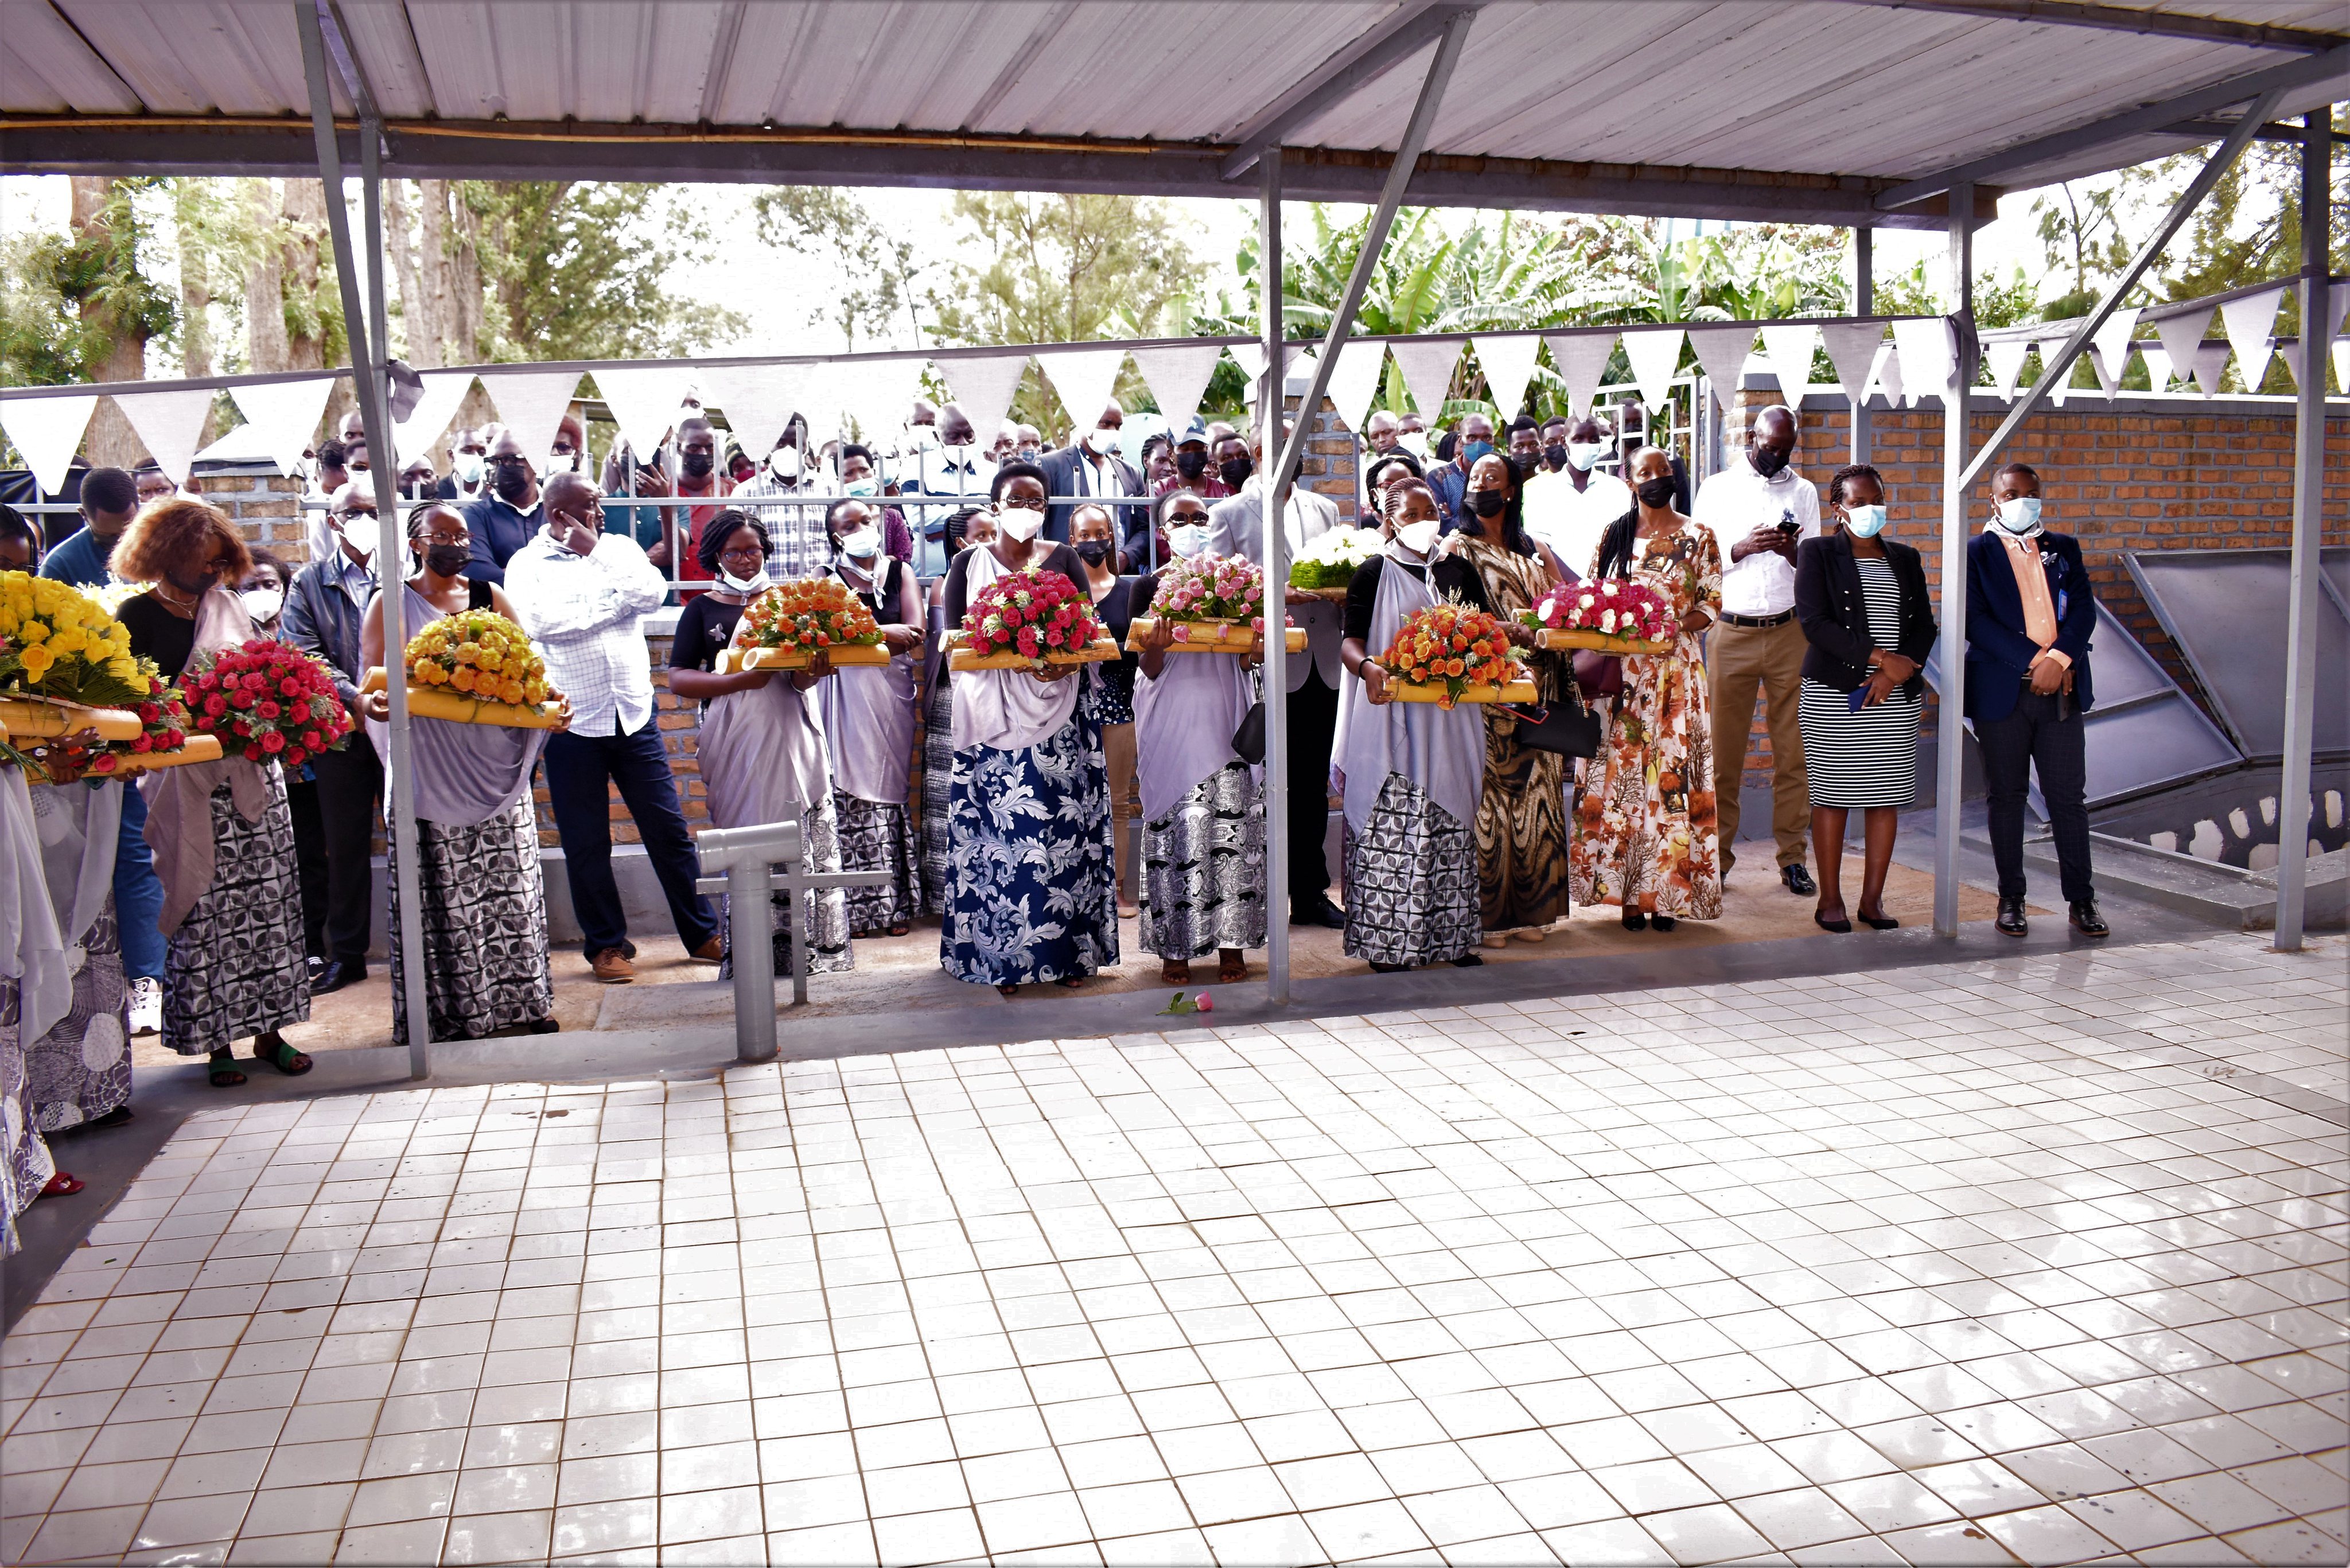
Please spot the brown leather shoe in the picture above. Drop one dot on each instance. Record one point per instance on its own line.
(612, 967)
(712, 952)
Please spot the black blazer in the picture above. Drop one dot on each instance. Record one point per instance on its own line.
(1998, 654)
(1060, 468)
(1835, 619)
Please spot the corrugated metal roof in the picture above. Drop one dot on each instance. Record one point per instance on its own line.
(1813, 87)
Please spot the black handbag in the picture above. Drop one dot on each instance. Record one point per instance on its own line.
(1567, 728)
(1248, 741)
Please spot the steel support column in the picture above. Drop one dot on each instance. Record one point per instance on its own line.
(1270, 401)
(364, 327)
(1863, 303)
(2308, 530)
(1950, 753)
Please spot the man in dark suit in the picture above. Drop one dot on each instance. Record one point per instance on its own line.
(1091, 466)
(2030, 611)
(509, 511)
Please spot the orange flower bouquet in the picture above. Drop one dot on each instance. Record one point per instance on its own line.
(1450, 653)
(787, 626)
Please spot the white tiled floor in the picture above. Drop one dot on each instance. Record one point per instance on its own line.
(1956, 1264)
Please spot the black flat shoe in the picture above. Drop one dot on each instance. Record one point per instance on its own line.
(2011, 922)
(1663, 923)
(1799, 881)
(1841, 927)
(1879, 923)
(1636, 921)
(2082, 913)
(1469, 961)
(1379, 968)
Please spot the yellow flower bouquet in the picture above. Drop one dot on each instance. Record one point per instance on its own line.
(65, 662)
(476, 667)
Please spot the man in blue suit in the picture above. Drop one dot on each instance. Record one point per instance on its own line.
(2030, 611)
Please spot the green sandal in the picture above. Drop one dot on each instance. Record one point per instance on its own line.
(224, 1071)
(282, 1056)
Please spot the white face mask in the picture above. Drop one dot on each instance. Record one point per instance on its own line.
(1583, 456)
(742, 585)
(467, 467)
(2019, 515)
(1419, 537)
(560, 462)
(863, 544)
(362, 532)
(263, 603)
(860, 487)
(1102, 442)
(1415, 443)
(1188, 539)
(1018, 523)
(1868, 522)
(784, 463)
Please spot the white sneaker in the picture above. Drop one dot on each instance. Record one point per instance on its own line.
(146, 1006)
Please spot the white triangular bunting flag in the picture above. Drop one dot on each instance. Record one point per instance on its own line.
(2211, 364)
(48, 432)
(1582, 359)
(2006, 356)
(1655, 353)
(170, 423)
(2110, 348)
(2247, 323)
(644, 400)
(878, 394)
(1925, 344)
(283, 415)
(1788, 348)
(1426, 364)
(2337, 305)
(1177, 376)
(2158, 367)
(1250, 357)
(1355, 379)
(1887, 373)
(2341, 364)
(1852, 349)
(1083, 379)
(1509, 365)
(445, 390)
(2289, 350)
(820, 404)
(2182, 338)
(758, 400)
(1721, 353)
(532, 403)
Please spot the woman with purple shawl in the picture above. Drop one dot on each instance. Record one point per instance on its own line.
(477, 870)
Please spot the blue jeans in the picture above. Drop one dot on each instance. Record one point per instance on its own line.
(580, 772)
(137, 892)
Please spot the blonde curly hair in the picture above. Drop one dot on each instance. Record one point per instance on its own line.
(176, 530)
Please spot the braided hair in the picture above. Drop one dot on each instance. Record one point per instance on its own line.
(1513, 515)
(1849, 472)
(1616, 545)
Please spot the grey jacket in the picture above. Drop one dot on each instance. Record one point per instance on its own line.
(321, 620)
(1236, 527)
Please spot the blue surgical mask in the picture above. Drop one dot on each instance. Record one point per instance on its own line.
(1584, 455)
(1475, 450)
(1868, 522)
(861, 487)
(2019, 515)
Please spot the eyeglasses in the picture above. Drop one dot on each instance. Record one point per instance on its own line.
(1021, 505)
(509, 460)
(352, 512)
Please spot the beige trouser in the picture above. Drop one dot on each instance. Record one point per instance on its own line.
(1740, 659)
(1117, 760)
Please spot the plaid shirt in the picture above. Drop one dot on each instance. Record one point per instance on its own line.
(795, 533)
(586, 614)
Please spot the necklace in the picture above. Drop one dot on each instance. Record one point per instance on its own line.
(185, 608)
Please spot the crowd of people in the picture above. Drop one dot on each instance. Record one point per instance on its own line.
(210, 905)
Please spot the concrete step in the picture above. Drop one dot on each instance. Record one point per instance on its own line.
(2228, 894)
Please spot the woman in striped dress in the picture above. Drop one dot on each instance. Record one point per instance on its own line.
(1863, 603)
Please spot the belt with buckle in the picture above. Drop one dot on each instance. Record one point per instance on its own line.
(1756, 622)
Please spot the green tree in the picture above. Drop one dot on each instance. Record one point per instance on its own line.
(878, 264)
(579, 270)
(78, 305)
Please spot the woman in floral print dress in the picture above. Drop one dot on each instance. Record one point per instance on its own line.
(1644, 828)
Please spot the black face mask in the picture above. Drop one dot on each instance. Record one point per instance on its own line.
(1767, 460)
(698, 464)
(447, 560)
(1236, 471)
(1489, 502)
(1554, 457)
(1093, 551)
(511, 481)
(192, 586)
(1656, 492)
(1190, 464)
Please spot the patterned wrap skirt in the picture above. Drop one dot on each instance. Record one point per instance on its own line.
(80, 1069)
(824, 913)
(236, 969)
(878, 835)
(1411, 881)
(1031, 892)
(24, 1163)
(938, 787)
(1203, 869)
(486, 940)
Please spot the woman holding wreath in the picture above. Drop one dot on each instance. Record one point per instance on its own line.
(869, 724)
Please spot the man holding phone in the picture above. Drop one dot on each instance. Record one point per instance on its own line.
(1760, 509)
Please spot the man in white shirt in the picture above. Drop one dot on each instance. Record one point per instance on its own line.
(1091, 465)
(1759, 508)
(1236, 527)
(1570, 503)
(582, 594)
